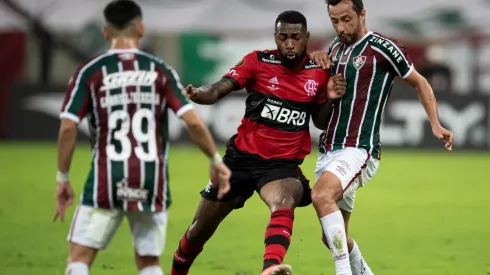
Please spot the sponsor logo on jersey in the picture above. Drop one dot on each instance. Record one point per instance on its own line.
(272, 60)
(311, 65)
(128, 78)
(126, 193)
(282, 114)
(311, 86)
(359, 61)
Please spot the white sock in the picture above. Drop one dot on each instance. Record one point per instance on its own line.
(151, 270)
(77, 268)
(333, 228)
(357, 262)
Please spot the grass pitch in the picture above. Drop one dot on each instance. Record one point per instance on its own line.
(424, 213)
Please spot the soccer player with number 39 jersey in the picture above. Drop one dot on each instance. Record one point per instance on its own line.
(350, 146)
(284, 89)
(125, 94)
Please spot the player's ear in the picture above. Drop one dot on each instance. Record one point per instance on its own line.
(363, 14)
(307, 35)
(105, 31)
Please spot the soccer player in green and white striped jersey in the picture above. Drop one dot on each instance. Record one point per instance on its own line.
(350, 146)
(125, 94)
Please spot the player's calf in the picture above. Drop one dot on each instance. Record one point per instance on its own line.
(207, 219)
(282, 196)
(80, 259)
(325, 194)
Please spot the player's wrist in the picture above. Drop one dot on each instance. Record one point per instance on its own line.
(62, 177)
(215, 159)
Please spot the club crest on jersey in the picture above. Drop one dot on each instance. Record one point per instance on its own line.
(359, 61)
(310, 87)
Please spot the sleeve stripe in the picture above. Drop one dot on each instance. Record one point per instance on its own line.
(408, 73)
(184, 109)
(394, 45)
(387, 58)
(79, 77)
(70, 116)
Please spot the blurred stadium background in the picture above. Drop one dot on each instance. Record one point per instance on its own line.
(425, 212)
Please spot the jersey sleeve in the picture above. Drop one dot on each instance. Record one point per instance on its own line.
(321, 95)
(395, 57)
(243, 72)
(176, 99)
(77, 96)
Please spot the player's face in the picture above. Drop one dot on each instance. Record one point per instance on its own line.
(346, 22)
(291, 40)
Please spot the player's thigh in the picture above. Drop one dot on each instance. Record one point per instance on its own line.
(367, 173)
(283, 187)
(241, 183)
(149, 230)
(94, 227)
(345, 164)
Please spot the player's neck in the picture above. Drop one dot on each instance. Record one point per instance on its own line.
(362, 33)
(124, 43)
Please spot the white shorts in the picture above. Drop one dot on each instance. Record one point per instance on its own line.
(353, 166)
(95, 227)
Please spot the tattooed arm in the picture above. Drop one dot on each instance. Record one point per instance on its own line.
(210, 94)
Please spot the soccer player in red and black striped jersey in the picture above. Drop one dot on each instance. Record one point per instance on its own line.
(125, 94)
(284, 89)
(350, 144)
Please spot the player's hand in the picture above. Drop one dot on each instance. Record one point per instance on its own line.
(191, 92)
(64, 198)
(220, 177)
(321, 58)
(336, 87)
(443, 134)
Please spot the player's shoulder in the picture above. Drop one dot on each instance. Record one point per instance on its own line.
(265, 56)
(377, 39)
(310, 64)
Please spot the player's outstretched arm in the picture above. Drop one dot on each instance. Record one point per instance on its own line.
(210, 94)
(428, 100)
(200, 134)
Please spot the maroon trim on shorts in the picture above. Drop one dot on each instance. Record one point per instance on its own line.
(358, 173)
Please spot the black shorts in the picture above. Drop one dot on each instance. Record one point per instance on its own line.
(251, 172)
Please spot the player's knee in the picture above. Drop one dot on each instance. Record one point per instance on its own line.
(282, 202)
(326, 191)
(143, 261)
(322, 196)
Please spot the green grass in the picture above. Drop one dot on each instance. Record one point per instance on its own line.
(424, 213)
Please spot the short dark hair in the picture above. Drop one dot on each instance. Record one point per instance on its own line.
(357, 5)
(292, 17)
(119, 13)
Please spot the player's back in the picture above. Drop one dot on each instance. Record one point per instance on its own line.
(125, 94)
